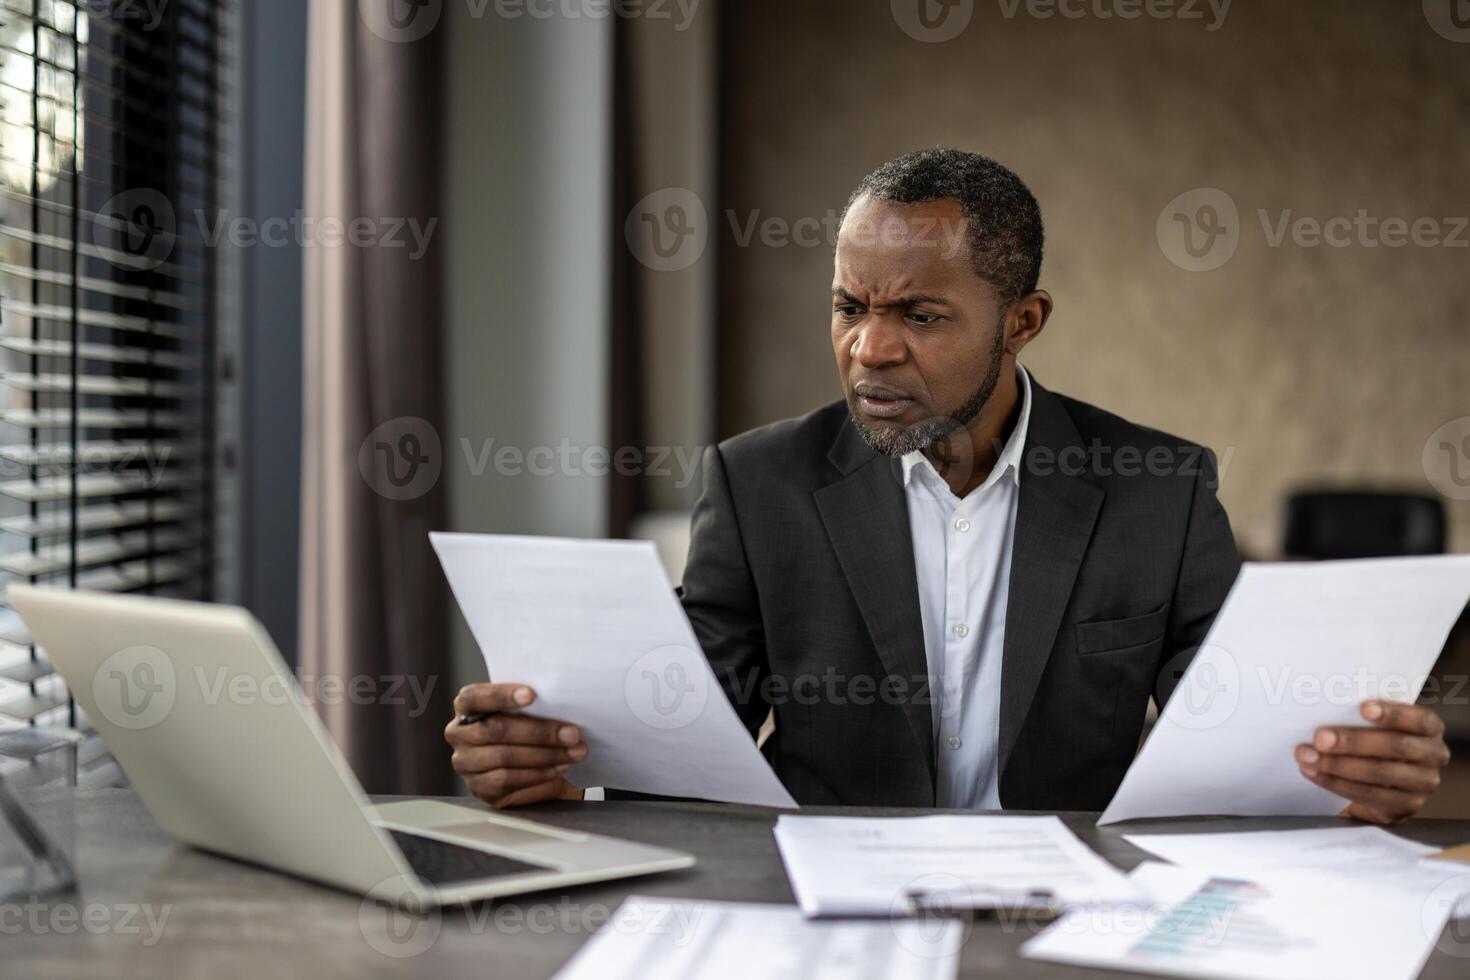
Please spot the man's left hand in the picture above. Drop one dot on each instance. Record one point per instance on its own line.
(1386, 772)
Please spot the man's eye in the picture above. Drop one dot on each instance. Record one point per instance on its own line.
(923, 319)
(848, 312)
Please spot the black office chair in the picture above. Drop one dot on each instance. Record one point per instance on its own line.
(1339, 524)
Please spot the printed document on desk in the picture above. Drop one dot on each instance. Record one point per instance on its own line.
(1276, 926)
(1295, 646)
(1358, 850)
(595, 629)
(882, 866)
(1355, 854)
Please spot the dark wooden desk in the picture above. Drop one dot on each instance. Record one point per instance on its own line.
(223, 919)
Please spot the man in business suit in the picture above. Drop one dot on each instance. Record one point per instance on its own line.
(953, 588)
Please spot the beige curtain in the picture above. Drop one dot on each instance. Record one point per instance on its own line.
(373, 629)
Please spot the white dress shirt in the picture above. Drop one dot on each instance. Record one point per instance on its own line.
(962, 558)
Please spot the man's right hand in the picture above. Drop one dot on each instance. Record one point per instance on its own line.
(507, 758)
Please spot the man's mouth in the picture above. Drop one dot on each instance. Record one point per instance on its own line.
(880, 402)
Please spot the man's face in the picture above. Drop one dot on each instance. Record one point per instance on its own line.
(918, 336)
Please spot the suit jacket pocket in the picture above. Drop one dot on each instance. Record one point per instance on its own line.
(1108, 635)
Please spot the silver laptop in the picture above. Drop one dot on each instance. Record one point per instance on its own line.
(213, 732)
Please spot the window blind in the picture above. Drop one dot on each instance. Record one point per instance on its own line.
(115, 131)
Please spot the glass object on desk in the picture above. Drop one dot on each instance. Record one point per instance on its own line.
(35, 853)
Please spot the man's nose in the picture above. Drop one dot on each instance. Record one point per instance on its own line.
(879, 344)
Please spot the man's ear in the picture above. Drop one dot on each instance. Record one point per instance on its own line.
(1025, 319)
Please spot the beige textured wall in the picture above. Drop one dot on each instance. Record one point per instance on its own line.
(1306, 364)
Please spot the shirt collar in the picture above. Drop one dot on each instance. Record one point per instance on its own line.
(1009, 460)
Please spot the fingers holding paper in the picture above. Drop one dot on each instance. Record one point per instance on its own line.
(1386, 772)
(507, 758)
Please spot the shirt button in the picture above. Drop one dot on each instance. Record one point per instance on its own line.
(953, 741)
(961, 525)
(961, 630)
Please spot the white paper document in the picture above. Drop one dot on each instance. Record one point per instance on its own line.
(595, 629)
(1281, 925)
(882, 866)
(1352, 850)
(665, 939)
(1295, 646)
(1368, 855)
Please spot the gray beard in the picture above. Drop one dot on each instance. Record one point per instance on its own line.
(893, 441)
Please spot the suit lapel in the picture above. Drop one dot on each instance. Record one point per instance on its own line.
(866, 517)
(1056, 510)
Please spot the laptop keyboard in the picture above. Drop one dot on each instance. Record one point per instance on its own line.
(441, 863)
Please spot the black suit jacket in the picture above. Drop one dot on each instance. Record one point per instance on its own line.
(801, 588)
